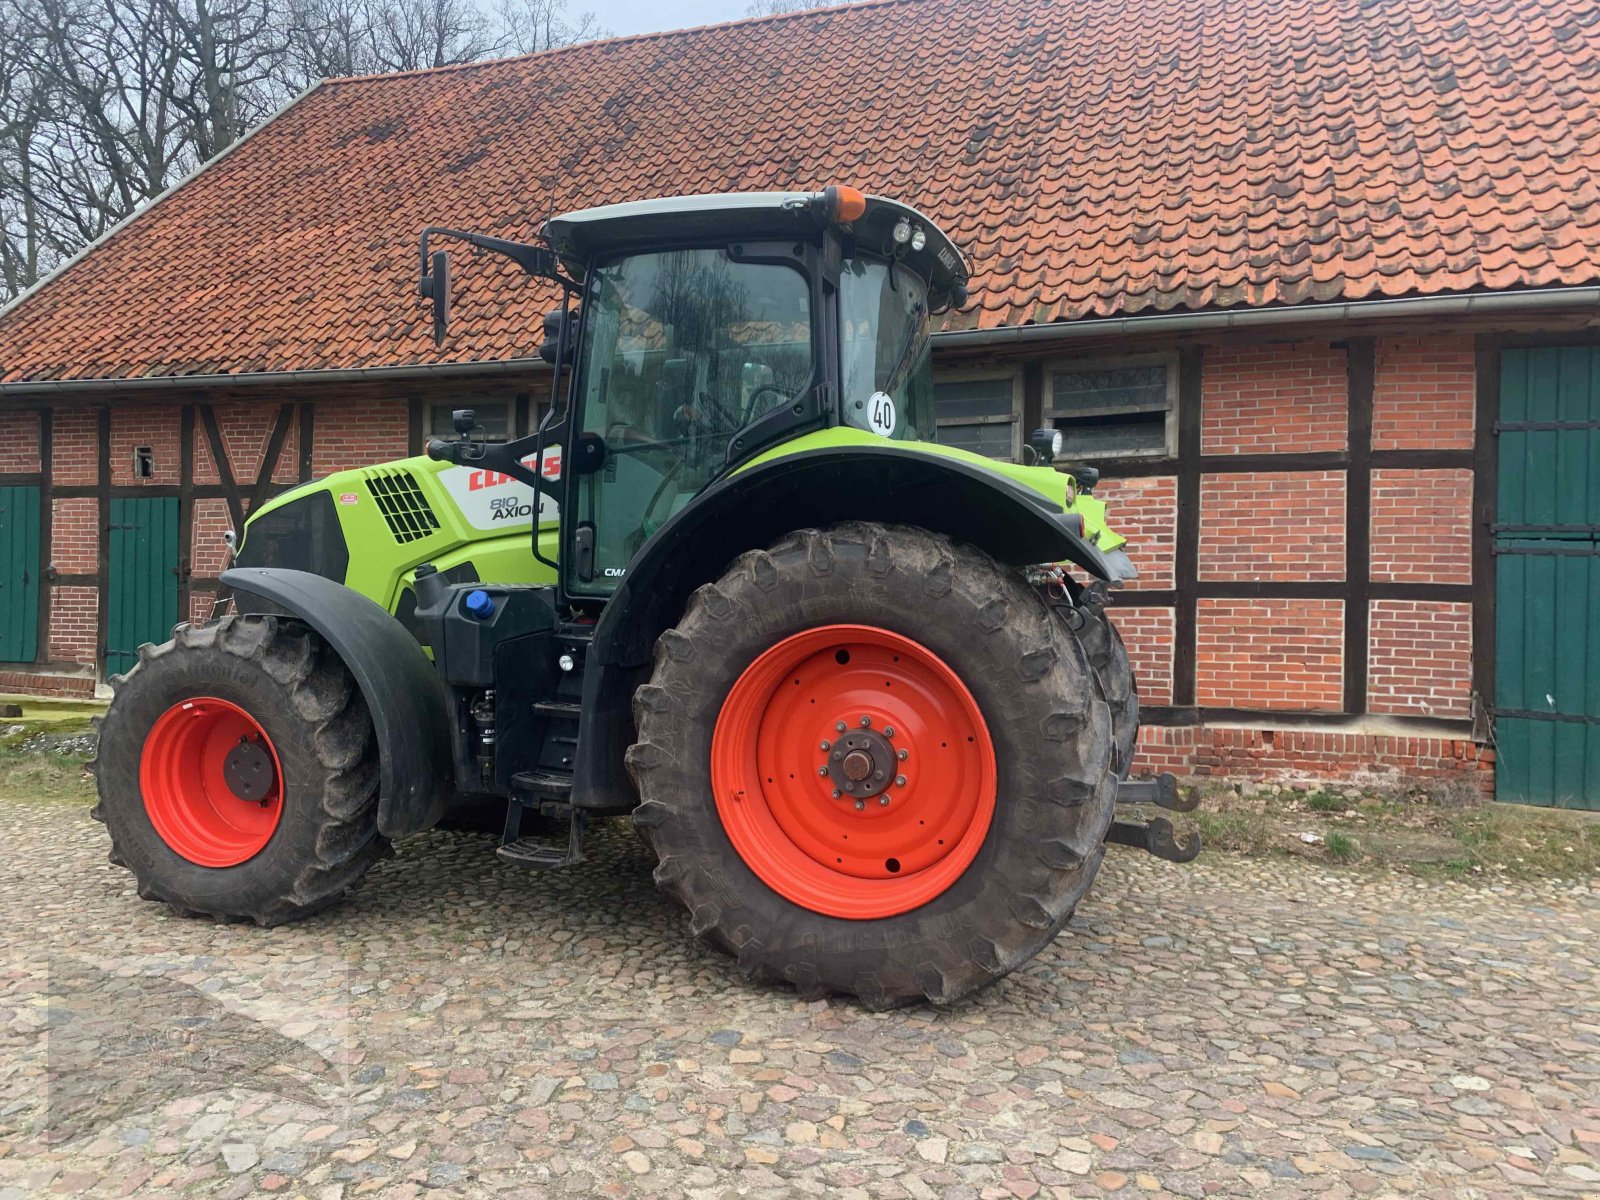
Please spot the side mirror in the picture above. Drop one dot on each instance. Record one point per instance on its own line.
(435, 285)
(555, 322)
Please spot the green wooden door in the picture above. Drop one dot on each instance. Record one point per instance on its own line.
(19, 574)
(1547, 566)
(143, 583)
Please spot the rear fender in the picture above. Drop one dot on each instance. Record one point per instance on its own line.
(410, 716)
(756, 506)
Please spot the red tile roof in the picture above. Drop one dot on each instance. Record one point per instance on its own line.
(1093, 158)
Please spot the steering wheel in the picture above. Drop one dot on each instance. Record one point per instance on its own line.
(751, 408)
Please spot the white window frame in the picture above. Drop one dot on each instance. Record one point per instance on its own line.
(973, 374)
(1064, 366)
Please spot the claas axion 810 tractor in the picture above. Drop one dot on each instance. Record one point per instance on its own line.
(856, 689)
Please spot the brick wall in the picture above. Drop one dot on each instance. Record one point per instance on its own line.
(356, 435)
(1147, 633)
(1274, 399)
(1290, 755)
(154, 425)
(1419, 659)
(209, 553)
(1423, 393)
(1285, 526)
(19, 441)
(75, 446)
(1270, 654)
(1145, 511)
(1422, 526)
(75, 535)
(74, 616)
(246, 430)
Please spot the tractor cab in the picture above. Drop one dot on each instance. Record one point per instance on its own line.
(708, 329)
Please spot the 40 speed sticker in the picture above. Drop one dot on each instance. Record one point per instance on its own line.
(491, 502)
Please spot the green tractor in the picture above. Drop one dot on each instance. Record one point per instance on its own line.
(856, 689)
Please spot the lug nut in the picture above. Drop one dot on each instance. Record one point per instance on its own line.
(823, 771)
(825, 745)
(840, 726)
(837, 793)
(884, 800)
(860, 804)
(902, 755)
(899, 781)
(866, 722)
(888, 731)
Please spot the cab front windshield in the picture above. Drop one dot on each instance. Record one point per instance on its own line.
(681, 350)
(886, 379)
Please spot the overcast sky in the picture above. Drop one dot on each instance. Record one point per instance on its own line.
(641, 16)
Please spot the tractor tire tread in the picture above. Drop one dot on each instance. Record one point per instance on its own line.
(318, 691)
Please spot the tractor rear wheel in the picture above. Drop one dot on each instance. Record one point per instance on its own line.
(237, 772)
(1112, 668)
(872, 761)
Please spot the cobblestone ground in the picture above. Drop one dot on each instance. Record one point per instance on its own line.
(463, 1028)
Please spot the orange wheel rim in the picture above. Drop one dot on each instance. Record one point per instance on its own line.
(853, 772)
(212, 783)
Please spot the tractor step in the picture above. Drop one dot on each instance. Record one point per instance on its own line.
(545, 784)
(1157, 837)
(557, 709)
(545, 856)
(1162, 791)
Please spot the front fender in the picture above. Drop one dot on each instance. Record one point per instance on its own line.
(410, 716)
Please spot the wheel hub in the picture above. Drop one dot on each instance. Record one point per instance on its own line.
(861, 763)
(248, 771)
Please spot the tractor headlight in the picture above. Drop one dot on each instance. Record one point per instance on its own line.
(1046, 444)
(902, 232)
(919, 238)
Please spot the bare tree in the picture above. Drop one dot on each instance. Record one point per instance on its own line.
(770, 8)
(104, 104)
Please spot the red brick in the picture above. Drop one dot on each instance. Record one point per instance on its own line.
(1305, 755)
(1420, 658)
(75, 446)
(1422, 526)
(1423, 393)
(1145, 511)
(1276, 399)
(19, 441)
(246, 430)
(208, 555)
(1270, 654)
(1287, 525)
(154, 425)
(1147, 632)
(357, 435)
(75, 535)
(74, 624)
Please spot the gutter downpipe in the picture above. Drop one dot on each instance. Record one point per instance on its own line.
(1478, 304)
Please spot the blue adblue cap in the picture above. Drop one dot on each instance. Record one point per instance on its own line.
(480, 604)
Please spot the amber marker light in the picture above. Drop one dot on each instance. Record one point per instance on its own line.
(848, 203)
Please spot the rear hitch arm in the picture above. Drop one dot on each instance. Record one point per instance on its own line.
(1157, 836)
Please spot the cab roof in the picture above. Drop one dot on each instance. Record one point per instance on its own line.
(580, 236)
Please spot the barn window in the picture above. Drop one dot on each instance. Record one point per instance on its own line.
(978, 412)
(1121, 409)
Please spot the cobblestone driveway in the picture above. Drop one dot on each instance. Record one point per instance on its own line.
(465, 1028)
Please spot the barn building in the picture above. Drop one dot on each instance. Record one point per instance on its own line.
(1315, 283)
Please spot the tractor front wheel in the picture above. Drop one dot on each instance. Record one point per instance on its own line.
(871, 761)
(237, 773)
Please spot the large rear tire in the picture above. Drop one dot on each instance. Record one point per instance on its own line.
(237, 773)
(1112, 668)
(945, 669)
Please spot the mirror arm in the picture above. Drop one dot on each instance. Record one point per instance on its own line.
(535, 260)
